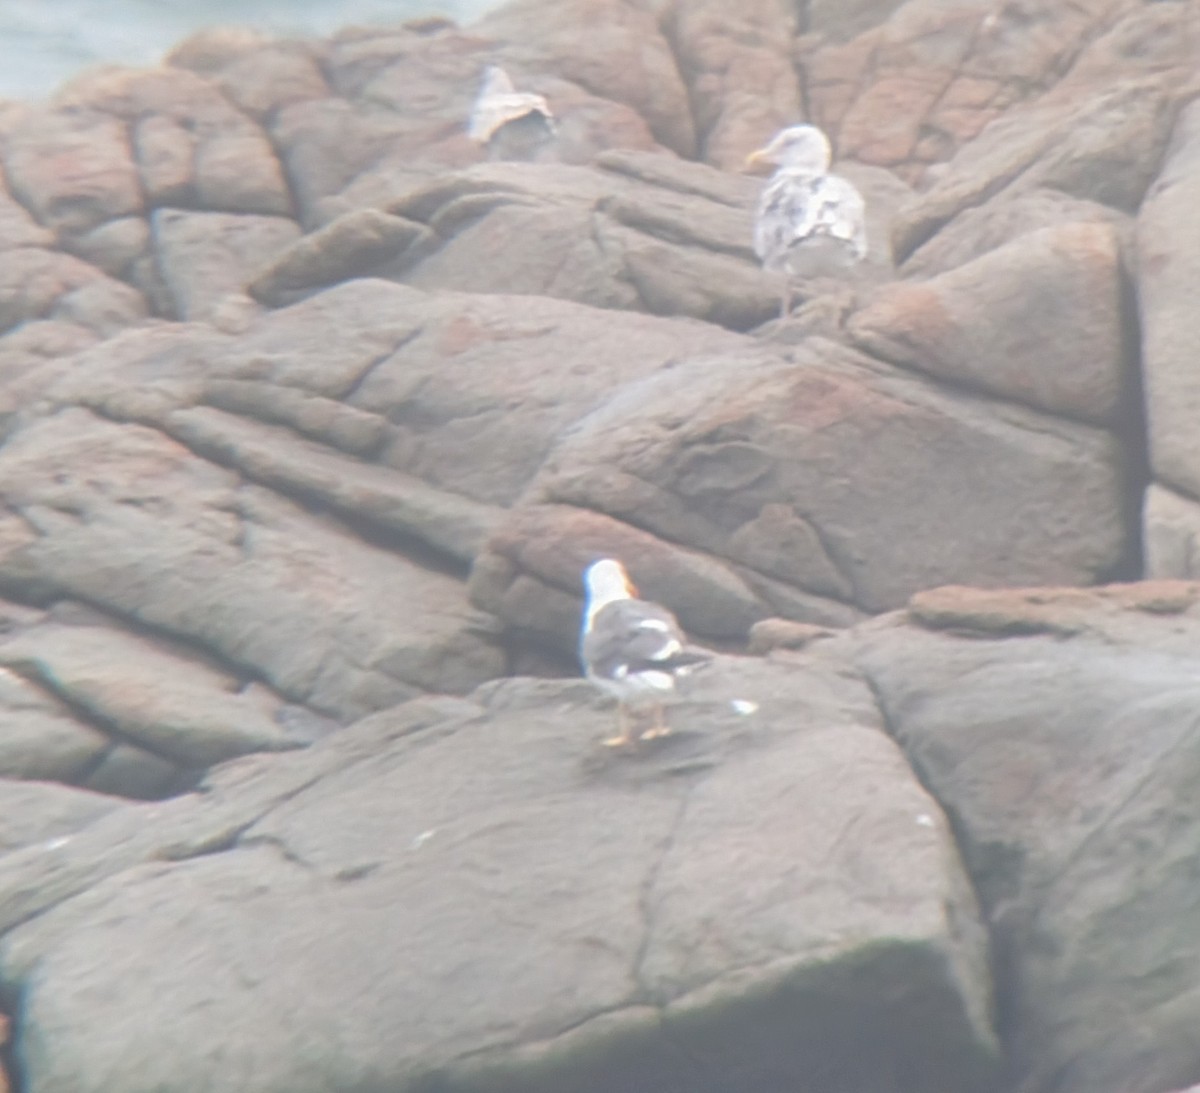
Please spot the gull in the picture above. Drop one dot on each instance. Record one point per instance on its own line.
(510, 124)
(631, 649)
(809, 223)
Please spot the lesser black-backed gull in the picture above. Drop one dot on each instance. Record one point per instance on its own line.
(511, 124)
(631, 649)
(809, 223)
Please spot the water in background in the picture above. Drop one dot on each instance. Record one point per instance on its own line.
(44, 42)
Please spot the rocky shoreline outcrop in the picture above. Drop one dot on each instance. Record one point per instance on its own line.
(312, 417)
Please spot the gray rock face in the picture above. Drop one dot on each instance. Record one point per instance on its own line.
(738, 455)
(1075, 814)
(190, 551)
(693, 949)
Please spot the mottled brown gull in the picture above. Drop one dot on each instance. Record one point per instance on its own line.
(510, 124)
(810, 224)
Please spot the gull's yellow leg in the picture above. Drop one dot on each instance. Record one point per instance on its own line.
(658, 726)
(624, 729)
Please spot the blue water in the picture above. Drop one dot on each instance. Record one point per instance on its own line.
(44, 42)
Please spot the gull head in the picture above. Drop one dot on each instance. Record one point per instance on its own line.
(606, 582)
(499, 104)
(800, 147)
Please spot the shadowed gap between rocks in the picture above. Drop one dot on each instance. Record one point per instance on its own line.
(998, 971)
(1132, 431)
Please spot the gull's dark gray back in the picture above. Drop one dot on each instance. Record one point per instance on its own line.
(620, 637)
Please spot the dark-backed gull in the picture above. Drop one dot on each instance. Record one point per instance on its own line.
(631, 649)
(511, 124)
(810, 223)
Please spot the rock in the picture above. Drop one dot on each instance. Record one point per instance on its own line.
(114, 246)
(130, 771)
(738, 61)
(907, 86)
(1041, 320)
(103, 304)
(415, 394)
(37, 283)
(36, 812)
(1171, 526)
(768, 634)
(1168, 263)
(41, 738)
(1100, 148)
(206, 256)
(211, 49)
(596, 237)
(455, 376)
(145, 529)
(841, 20)
(645, 232)
(530, 575)
(33, 354)
(265, 79)
(694, 454)
(173, 706)
(367, 147)
(353, 245)
(928, 77)
(1062, 611)
(17, 227)
(71, 169)
(325, 144)
(166, 153)
(1061, 755)
(452, 525)
(983, 228)
(193, 146)
(694, 920)
(236, 171)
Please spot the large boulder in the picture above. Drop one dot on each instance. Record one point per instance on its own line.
(1041, 320)
(489, 899)
(743, 456)
(1058, 729)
